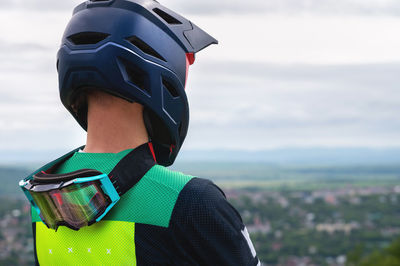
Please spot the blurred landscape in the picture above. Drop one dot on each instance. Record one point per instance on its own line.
(302, 211)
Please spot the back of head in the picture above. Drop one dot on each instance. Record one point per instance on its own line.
(139, 51)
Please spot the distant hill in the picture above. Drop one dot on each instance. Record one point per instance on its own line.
(309, 156)
(9, 177)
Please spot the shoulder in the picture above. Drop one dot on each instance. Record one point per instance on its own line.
(201, 191)
(152, 200)
(202, 201)
(167, 177)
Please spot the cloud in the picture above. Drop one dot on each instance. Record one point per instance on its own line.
(25, 57)
(43, 5)
(21, 47)
(332, 7)
(294, 105)
(284, 39)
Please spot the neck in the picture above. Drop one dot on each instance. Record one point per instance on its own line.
(114, 125)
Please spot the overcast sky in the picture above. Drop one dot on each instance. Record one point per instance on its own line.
(287, 73)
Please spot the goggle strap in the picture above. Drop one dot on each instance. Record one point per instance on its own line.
(43, 177)
(130, 169)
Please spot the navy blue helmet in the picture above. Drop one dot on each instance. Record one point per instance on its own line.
(137, 50)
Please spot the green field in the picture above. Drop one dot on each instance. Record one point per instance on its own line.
(264, 176)
(304, 185)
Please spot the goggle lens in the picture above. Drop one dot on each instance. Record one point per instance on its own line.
(74, 205)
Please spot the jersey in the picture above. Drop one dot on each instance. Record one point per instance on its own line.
(167, 218)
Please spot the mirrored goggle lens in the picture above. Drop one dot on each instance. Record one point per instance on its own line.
(75, 205)
(47, 209)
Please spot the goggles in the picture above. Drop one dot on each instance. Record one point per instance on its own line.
(74, 199)
(85, 196)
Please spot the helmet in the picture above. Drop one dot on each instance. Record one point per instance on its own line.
(137, 50)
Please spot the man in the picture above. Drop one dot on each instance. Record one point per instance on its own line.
(122, 71)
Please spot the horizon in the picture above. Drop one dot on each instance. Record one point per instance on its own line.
(276, 156)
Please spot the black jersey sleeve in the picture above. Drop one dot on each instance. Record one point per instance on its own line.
(211, 230)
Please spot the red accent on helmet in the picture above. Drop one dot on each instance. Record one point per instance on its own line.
(190, 58)
(152, 151)
(171, 147)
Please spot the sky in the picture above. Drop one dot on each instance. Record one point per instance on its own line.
(286, 74)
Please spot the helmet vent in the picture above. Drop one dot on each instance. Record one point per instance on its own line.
(167, 17)
(135, 76)
(136, 41)
(172, 90)
(87, 38)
